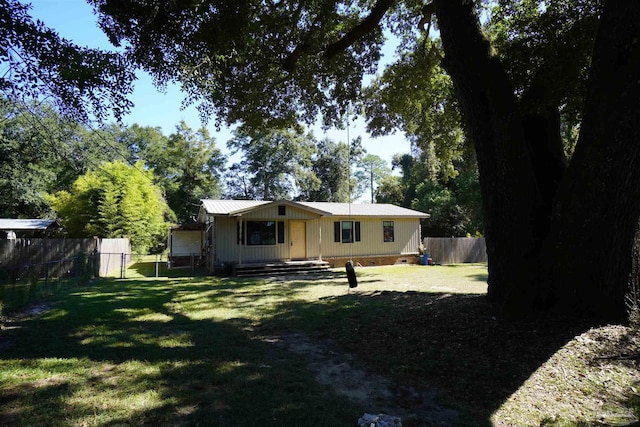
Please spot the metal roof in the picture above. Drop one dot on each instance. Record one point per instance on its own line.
(26, 224)
(226, 207)
(365, 209)
(382, 210)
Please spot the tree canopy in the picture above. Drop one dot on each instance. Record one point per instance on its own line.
(427, 112)
(272, 161)
(41, 152)
(116, 200)
(188, 165)
(330, 176)
(250, 61)
(372, 170)
(38, 64)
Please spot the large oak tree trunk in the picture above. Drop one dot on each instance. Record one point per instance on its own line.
(580, 254)
(598, 204)
(510, 195)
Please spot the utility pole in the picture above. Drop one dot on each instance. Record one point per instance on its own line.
(371, 181)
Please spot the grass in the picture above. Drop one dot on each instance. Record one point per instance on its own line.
(192, 350)
(15, 297)
(22, 287)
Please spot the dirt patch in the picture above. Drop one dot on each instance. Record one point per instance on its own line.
(32, 310)
(12, 322)
(372, 392)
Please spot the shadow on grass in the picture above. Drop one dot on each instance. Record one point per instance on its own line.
(187, 351)
(127, 348)
(448, 342)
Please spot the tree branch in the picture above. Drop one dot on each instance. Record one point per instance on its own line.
(363, 28)
(427, 13)
(356, 33)
(290, 62)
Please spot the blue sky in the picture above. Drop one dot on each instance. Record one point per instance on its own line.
(74, 20)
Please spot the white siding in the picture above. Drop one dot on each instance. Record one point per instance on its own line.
(228, 249)
(271, 212)
(185, 242)
(406, 238)
(314, 243)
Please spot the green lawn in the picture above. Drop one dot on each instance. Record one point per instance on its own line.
(192, 350)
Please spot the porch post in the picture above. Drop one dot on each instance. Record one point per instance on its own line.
(212, 231)
(320, 240)
(241, 242)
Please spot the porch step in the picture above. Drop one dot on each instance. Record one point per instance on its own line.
(280, 268)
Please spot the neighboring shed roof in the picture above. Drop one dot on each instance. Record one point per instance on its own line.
(230, 207)
(188, 227)
(27, 224)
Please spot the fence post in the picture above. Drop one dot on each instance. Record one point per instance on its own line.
(46, 274)
(95, 263)
(122, 265)
(156, 265)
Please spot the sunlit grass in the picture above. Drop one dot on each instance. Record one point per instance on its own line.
(586, 379)
(188, 350)
(76, 391)
(144, 315)
(192, 350)
(466, 278)
(154, 351)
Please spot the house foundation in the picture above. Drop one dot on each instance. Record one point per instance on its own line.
(372, 260)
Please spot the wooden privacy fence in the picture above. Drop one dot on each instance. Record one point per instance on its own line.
(455, 250)
(18, 252)
(107, 255)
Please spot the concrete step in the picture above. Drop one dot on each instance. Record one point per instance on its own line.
(279, 269)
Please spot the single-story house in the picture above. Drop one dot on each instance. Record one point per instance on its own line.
(248, 231)
(11, 228)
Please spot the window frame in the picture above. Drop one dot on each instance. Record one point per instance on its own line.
(267, 236)
(280, 232)
(338, 231)
(386, 226)
(350, 230)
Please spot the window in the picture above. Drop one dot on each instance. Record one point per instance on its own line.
(282, 210)
(261, 233)
(387, 231)
(346, 231)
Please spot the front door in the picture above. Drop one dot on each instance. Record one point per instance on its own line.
(298, 237)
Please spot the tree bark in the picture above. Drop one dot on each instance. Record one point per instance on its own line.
(541, 124)
(511, 197)
(598, 205)
(555, 237)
